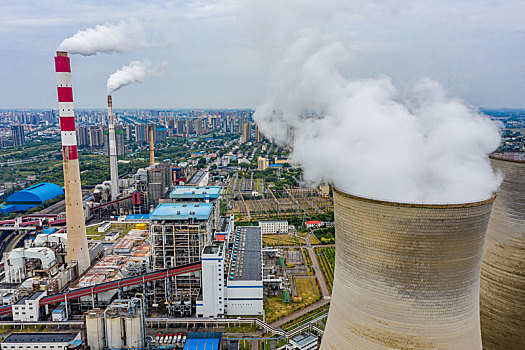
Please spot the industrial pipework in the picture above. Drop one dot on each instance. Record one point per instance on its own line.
(151, 147)
(113, 164)
(502, 295)
(406, 275)
(77, 247)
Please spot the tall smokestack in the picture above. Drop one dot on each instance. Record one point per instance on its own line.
(151, 148)
(406, 275)
(113, 164)
(77, 247)
(502, 295)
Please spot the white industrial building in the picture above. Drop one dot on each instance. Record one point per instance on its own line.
(270, 227)
(232, 282)
(303, 341)
(28, 308)
(55, 341)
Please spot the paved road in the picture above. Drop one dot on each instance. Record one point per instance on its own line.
(317, 269)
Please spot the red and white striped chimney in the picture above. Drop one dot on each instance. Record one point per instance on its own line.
(77, 246)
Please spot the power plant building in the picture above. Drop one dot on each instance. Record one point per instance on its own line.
(232, 276)
(179, 232)
(406, 275)
(502, 296)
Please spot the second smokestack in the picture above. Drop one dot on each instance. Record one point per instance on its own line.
(151, 148)
(113, 163)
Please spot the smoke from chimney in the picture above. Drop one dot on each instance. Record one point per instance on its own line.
(366, 139)
(133, 73)
(120, 37)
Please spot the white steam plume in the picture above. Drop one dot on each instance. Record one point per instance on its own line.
(364, 138)
(133, 73)
(123, 36)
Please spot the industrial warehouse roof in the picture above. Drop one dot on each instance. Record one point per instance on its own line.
(195, 192)
(36, 194)
(182, 211)
(203, 341)
(40, 338)
(246, 255)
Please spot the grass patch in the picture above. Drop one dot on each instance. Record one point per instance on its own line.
(314, 240)
(327, 262)
(284, 239)
(275, 308)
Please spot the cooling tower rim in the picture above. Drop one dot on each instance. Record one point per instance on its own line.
(416, 204)
(515, 157)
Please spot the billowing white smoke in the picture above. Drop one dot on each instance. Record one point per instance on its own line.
(108, 38)
(365, 139)
(133, 73)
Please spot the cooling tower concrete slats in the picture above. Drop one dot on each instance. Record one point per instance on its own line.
(406, 275)
(502, 291)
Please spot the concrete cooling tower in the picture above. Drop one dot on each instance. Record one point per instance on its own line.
(502, 298)
(406, 275)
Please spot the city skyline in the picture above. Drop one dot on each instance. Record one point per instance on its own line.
(217, 54)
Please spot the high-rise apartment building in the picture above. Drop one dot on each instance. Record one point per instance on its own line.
(141, 133)
(129, 132)
(119, 141)
(262, 163)
(258, 134)
(180, 126)
(246, 132)
(96, 138)
(198, 126)
(189, 126)
(17, 135)
(83, 136)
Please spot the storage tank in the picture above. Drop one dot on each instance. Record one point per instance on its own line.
(406, 275)
(502, 298)
(95, 329)
(134, 331)
(114, 331)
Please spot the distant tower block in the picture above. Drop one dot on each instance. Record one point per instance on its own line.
(406, 275)
(151, 147)
(113, 163)
(77, 247)
(502, 295)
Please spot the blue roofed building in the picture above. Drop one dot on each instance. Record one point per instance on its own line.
(203, 341)
(195, 193)
(31, 197)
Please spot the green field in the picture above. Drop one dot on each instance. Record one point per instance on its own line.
(326, 258)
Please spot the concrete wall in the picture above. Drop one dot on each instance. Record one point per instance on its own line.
(406, 276)
(502, 298)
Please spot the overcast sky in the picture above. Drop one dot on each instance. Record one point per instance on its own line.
(218, 54)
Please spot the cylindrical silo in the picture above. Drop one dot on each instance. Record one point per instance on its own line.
(134, 331)
(114, 331)
(406, 275)
(95, 329)
(502, 290)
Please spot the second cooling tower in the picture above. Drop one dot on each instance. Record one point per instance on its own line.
(407, 275)
(502, 299)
